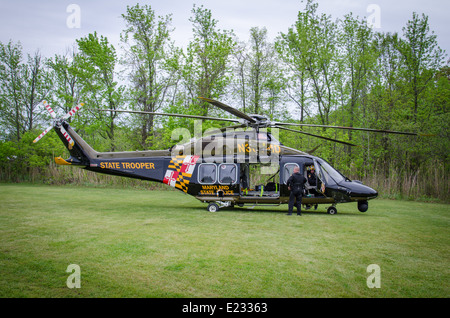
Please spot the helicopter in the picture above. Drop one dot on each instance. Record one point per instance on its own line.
(237, 165)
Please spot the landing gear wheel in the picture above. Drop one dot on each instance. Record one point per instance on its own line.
(363, 206)
(332, 210)
(212, 207)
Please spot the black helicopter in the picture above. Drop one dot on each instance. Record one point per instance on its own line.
(238, 165)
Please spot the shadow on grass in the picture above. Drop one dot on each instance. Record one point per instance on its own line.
(279, 211)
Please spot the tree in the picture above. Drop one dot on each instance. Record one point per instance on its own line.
(206, 69)
(421, 55)
(95, 65)
(359, 58)
(259, 81)
(240, 71)
(311, 47)
(297, 82)
(66, 82)
(37, 87)
(22, 87)
(264, 81)
(312, 44)
(146, 41)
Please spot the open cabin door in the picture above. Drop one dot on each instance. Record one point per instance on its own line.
(259, 180)
(321, 184)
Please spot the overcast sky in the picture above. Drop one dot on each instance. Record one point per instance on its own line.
(52, 25)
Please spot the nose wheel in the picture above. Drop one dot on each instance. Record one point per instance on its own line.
(363, 206)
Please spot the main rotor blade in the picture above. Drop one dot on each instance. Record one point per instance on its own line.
(322, 137)
(351, 128)
(224, 129)
(312, 150)
(229, 109)
(169, 114)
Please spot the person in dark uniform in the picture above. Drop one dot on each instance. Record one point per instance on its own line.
(312, 176)
(296, 184)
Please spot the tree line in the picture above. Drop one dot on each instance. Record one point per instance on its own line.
(320, 71)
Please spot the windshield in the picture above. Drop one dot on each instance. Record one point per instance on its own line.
(330, 172)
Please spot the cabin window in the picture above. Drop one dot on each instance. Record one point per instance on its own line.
(227, 173)
(288, 170)
(207, 173)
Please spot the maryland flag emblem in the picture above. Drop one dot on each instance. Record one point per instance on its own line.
(179, 171)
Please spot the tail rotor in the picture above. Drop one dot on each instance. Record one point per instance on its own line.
(57, 123)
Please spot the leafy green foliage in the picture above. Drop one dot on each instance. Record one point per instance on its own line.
(149, 58)
(23, 161)
(206, 71)
(95, 66)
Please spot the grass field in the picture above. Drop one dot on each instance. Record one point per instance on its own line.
(134, 243)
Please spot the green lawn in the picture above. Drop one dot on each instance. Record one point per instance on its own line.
(133, 243)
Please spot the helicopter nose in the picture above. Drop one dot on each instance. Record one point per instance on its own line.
(369, 192)
(360, 190)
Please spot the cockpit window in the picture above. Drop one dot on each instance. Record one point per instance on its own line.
(330, 174)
